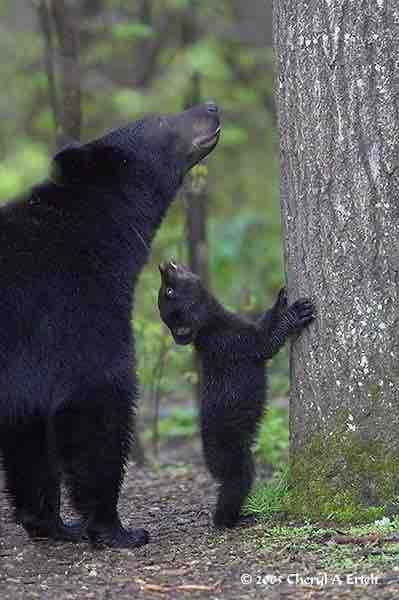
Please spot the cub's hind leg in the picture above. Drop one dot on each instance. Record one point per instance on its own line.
(235, 485)
(231, 464)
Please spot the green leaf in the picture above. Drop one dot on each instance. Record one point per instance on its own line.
(233, 135)
(179, 4)
(13, 178)
(128, 102)
(204, 57)
(125, 32)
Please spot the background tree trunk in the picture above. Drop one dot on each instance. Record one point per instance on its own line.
(195, 195)
(65, 14)
(62, 18)
(337, 96)
(195, 190)
(196, 201)
(49, 60)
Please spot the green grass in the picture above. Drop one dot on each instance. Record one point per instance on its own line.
(268, 499)
(319, 541)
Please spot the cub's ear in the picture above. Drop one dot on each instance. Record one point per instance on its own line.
(87, 163)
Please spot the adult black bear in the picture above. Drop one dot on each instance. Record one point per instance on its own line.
(233, 352)
(71, 252)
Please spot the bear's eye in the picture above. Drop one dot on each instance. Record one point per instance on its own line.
(170, 292)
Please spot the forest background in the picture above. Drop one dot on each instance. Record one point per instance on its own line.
(132, 58)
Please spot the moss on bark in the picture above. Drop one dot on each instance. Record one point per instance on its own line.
(343, 477)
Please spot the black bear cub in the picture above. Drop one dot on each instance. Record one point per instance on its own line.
(233, 352)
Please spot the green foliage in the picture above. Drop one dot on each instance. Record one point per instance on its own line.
(206, 57)
(179, 422)
(272, 440)
(233, 135)
(268, 499)
(151, 336)
(125, 32)
(128, 102)
(14, 178)
(179, 4)
(137, 62)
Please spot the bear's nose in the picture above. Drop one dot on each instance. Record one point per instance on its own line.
(212, 107)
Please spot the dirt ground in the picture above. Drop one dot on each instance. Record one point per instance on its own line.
(184, 559)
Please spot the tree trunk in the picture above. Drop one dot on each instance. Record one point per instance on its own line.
(195, 195)
(49, 60)
(337, 96)
(196, 201)
(65, 14)
(195, 192)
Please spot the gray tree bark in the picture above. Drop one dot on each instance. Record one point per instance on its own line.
(337, 96)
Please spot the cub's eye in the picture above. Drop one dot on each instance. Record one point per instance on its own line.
(170, 292)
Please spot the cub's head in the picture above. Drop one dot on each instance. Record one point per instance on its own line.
(182, 302)
(153, 153)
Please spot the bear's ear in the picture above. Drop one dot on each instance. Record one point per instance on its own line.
(69, 164)
(88, 163)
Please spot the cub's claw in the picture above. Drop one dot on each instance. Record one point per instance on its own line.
(301, 313)
(282, 299)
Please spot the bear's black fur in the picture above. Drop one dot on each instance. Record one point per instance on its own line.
(71, 251)
(233, 352)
